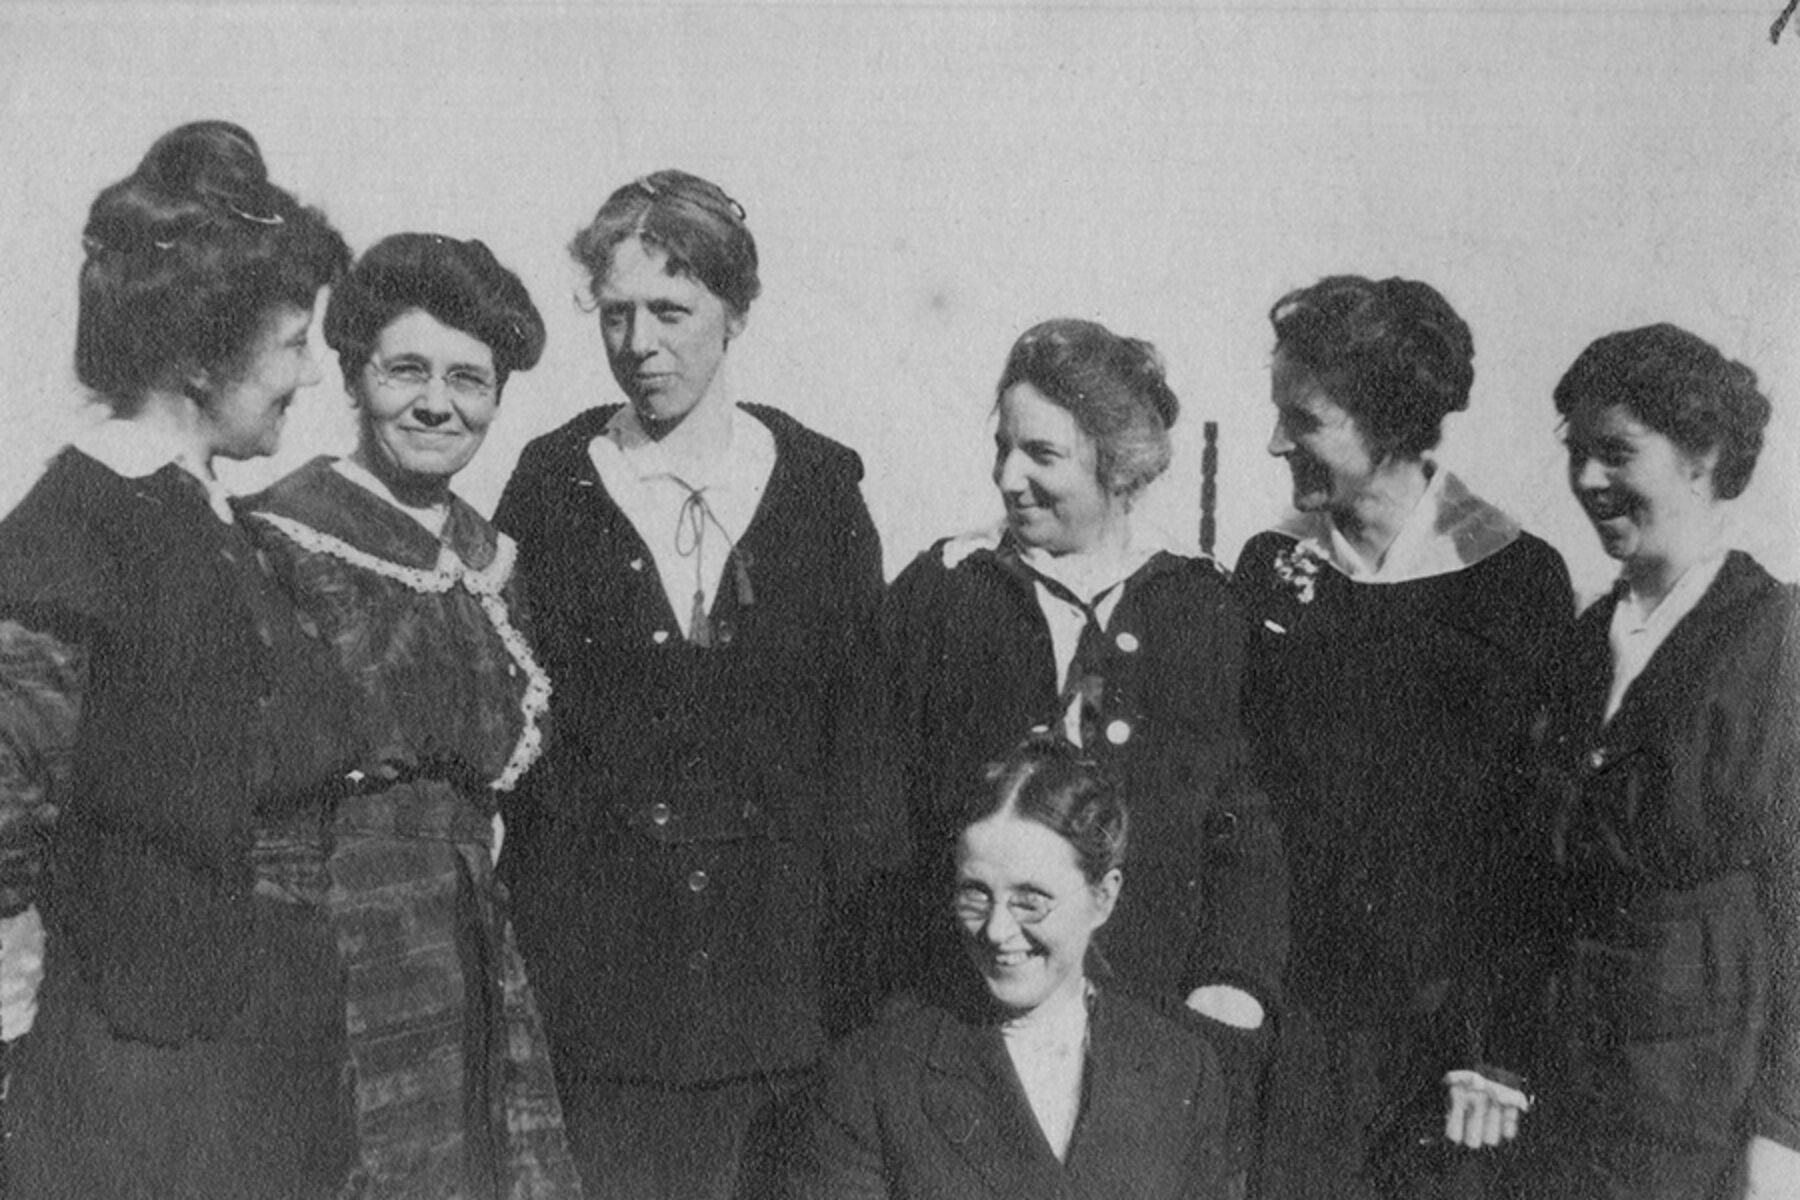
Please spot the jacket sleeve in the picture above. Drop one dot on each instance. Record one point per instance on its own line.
(1767, 754)
(1245, 866)
(841, 1156)
(41, 683)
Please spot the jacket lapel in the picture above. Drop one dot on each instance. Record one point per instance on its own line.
(973, 1099)
(1138, 1108)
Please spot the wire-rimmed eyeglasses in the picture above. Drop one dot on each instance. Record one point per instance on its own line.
(409, 376)
(974, 906)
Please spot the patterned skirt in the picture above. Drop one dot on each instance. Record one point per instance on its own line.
(455, 1096)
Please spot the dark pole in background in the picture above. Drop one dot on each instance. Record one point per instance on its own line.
(1209, 488)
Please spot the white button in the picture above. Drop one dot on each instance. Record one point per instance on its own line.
(637, 564)
(1118, 732)
(660, 636)
(1127, 642)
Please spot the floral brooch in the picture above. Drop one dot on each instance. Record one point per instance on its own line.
(1299, 565)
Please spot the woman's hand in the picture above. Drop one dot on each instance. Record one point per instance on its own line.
(1771, 1171)
(1227, 1005)
(1483, 1111)
(21, 971)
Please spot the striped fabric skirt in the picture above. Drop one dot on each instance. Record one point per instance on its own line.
(455, 1097)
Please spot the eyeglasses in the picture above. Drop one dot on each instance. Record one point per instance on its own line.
(409, 377)
(1028, 908)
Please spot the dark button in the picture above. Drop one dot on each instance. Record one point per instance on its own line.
(1219, 828)
(698, 959)
(660, 814)
(697, 881)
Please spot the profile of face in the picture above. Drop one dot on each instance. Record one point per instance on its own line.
(1026, 910)
(425, 400)
(666, 334)
(1642, 492)
(1047, 470)
(245, 413)
(1325, 450)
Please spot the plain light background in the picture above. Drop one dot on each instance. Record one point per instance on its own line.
(927, 180)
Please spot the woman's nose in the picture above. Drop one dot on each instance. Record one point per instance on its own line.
(1586, 474)
(642, 339)
(1001, 925)
(1009, 473)
(310, 371)
(1279, 441)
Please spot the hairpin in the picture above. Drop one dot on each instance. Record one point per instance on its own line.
(257, 218)
(648, 188)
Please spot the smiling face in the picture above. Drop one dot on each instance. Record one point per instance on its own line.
(425, 398)
(665, 334)
(1007, 868)
(245, 413)
(1047, 472)
(1325, 450)
(1648, 499)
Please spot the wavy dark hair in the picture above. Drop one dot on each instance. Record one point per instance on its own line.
(186, 259)
(460, 283)
(1392, 353)
(688, 218)
(1683, 387)
(1048, 781)
(1112, 385)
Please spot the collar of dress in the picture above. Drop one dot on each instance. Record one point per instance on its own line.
(1449, 529)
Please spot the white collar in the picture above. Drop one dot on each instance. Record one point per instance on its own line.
(746, 458)
(1448, 529)
(136, 449)
(1090, 575)
(1658, 619)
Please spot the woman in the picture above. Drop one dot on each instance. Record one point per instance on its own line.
(1399, 621)
(1043, 1081)
(189, 1039)
(1067, 618)
(414, 593)
(703, 576)
(1674, 750)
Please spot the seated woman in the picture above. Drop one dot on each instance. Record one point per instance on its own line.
(1674, 768)
(414, 593)
(190, 1034)
(1028, 1076)
(1399, 624)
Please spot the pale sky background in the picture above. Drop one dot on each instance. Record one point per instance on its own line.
(927, 180)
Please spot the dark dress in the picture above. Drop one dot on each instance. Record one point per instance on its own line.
(453, 1080)
(190, 1036)
(970, 670)
(928, 1106)
(1393, 725)
(1675, 850)
(670, 860)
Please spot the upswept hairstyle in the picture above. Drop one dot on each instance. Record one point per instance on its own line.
(186, 258)
(1392, 353)
(1046, 780)
(1681, 386)
(1114, 388)
(459, 283)
(694, 222)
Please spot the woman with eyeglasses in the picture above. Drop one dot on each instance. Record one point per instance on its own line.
(1029, 1072)
(1068, 617)
(164, 767)
(415, 595)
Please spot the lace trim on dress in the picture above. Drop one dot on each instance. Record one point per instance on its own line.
(485, 585)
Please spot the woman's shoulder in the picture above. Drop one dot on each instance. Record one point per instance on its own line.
(805, 448)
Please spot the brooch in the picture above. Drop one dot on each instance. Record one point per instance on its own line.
(1298, 566)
